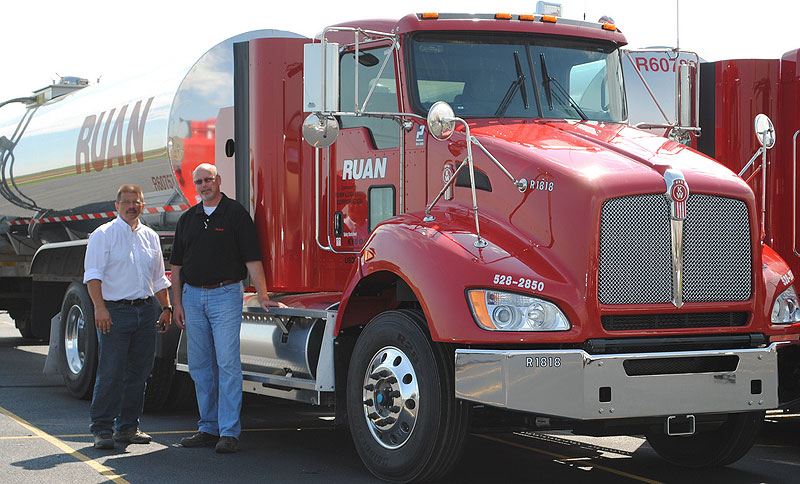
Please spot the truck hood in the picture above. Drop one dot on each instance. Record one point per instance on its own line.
(611, 158)
(553, 231)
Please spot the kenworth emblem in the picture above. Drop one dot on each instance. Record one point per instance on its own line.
(677, 194)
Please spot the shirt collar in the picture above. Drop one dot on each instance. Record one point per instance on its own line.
(198, 208)
(123, 224)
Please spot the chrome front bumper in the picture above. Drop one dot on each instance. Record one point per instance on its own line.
(574, 384)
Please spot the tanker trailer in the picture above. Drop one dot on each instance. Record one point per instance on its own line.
(61, 163)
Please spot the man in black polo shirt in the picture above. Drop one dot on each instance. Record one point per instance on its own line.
(215, 247)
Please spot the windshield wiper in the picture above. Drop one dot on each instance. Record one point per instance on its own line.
(548, 91)
(518, 83)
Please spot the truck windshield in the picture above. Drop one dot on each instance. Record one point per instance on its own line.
(479, 76)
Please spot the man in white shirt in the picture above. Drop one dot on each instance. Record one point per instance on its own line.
(123, 270)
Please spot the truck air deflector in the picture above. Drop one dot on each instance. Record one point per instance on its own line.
(574, 384)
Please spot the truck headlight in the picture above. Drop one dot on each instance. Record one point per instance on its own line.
(506, 311)
(786, 310)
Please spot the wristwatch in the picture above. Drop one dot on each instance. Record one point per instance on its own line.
(166, 308)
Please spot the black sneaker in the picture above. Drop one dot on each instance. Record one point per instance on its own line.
(227, 445)
(103, 441)
(200, 439)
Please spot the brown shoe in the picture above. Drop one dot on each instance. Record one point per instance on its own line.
(135, 436)
(227, 445)
(200, 439)
(103, 441)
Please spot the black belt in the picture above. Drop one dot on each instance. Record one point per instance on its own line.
(133, 302)
(219, 284)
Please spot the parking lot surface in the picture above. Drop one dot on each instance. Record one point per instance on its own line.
(44, 438)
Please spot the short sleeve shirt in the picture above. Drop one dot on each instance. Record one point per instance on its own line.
(214, 248)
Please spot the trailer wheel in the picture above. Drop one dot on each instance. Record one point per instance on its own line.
(404, 419)
(78, 336)
(725, 445)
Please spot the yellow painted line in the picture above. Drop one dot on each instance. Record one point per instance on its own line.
(164, 432)
(103, 470)
(566, 458)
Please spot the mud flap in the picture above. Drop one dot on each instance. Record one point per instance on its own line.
(51, 363)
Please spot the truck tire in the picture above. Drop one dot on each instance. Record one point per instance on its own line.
(719, 447)
(168, 389)
(24, 324)
(403, 416)
(78, 338)
(156, 395)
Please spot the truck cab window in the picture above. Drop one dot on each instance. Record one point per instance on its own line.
(385, 132)
(489, 75)
(381, 204)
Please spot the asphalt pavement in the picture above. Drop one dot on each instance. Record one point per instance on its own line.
(44, 438)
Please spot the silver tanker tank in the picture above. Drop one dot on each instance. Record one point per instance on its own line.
(62, 161)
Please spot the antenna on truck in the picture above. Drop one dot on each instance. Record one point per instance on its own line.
(678, 25)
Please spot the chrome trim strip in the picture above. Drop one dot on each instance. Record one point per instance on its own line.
(676, 234)
(794, 193)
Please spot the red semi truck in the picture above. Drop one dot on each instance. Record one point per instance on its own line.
(464, 228)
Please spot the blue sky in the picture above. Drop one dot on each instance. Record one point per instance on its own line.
(111, 41)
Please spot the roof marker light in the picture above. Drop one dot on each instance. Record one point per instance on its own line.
(609, 26)
(502, 16)
(527, 17)
(430, 15)
(549, 18)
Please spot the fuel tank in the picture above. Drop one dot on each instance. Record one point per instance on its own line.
(62, 161)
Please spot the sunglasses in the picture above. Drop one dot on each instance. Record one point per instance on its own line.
(205, 180)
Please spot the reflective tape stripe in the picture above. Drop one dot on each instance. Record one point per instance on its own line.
(98, 215)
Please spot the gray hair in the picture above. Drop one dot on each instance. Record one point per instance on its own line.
(207, 167)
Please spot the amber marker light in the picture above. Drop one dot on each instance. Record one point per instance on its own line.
(609, 26)
(368, 255)
(784, 337)
(478, 300)
(549, 18)
(502, 16)
(430, 15)
(527, 17)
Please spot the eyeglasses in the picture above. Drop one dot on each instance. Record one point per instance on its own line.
(130, 202)
(205, 180)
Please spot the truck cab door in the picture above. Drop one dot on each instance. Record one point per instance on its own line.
(364, 162)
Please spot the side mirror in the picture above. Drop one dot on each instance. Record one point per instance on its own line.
(685, 93)
(318, 84)
(320, 131)
(441, 121)
(765, 131)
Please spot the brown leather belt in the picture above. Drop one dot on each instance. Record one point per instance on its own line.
(219, 284)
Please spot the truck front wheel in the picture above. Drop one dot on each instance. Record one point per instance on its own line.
(78, 338)
(404, 419)
(719, 447)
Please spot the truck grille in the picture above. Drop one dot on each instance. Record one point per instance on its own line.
(630, 322)
(635, 258)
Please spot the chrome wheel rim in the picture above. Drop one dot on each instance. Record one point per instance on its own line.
(391, 397)
(75, 339)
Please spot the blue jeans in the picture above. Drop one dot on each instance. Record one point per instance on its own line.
(213, 321)
(125, 359)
